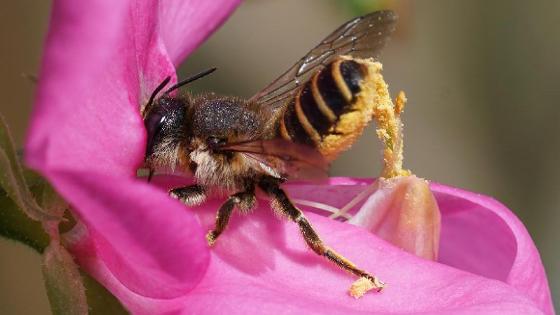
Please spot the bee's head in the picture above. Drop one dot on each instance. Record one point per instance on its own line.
(165, 125)
(165, 122)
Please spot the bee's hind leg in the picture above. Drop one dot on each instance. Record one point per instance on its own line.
(243, 200)
(282, 204)
(192, 195)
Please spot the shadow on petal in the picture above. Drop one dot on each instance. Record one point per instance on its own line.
(475, 239)
(482, 236)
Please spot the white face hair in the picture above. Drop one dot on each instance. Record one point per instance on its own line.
(165, 158)
(215, 170)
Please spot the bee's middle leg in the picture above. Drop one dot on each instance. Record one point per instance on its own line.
(243, 200)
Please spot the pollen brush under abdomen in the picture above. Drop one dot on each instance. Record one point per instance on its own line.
(331, 110)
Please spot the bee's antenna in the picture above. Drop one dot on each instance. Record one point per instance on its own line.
(154, 94)
(190, 79)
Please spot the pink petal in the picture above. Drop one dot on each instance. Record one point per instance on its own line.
(77, 93)
(282, 275)
(151, 243)
(261, 265)
(404, 212)
(185, 24)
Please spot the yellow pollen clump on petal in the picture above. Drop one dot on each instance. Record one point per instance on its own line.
(364, 285)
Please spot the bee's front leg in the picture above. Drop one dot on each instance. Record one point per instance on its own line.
(243, 200)
(192, 195)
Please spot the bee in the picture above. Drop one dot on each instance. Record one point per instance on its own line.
(291, 129)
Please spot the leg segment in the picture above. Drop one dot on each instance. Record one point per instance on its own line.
(282, 204)
(192, 195)
(243, 200)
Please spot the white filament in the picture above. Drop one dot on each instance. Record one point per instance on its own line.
(321, 206)
(343, 212)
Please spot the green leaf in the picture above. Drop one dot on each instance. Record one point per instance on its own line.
(13, 181)
(16, 225)
(63, 282)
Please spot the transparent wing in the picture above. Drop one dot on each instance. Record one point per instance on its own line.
(288, 159)
(362, 37)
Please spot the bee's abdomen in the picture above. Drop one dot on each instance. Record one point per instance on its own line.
(315, 112)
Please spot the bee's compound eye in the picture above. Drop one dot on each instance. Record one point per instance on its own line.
(153, 124)
(153, 121)
(215, 142)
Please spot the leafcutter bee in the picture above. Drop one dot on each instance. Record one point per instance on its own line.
(291, 129)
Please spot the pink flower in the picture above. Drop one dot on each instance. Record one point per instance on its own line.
(87, 137)
(101, 61)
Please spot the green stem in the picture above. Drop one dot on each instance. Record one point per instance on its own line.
(100, 300)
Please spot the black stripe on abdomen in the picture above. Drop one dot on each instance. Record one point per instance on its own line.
(310, 108)
(329, 90)
(293, 126)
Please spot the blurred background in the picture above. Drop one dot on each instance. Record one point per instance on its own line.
(481, 78)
